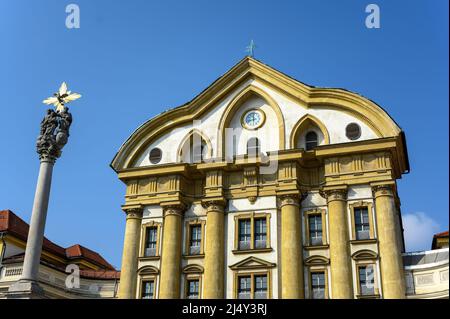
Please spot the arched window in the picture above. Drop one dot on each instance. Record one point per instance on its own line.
(198, 152)
(253, 148)
(194, 150)
(311, 140)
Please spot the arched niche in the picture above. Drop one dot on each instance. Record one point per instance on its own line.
(194, 140)
(245, 95)
(307, 124)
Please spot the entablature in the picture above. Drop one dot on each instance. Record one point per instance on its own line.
(283, 172)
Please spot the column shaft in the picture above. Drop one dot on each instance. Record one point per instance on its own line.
(37, 224)
(391, 263)
(214, 253)
(128, 274)
(292, 286)
(340, 259)
(169, 287)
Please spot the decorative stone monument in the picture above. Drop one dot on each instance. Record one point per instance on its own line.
(53, 136)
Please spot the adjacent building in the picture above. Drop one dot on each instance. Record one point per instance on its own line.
(97, 278)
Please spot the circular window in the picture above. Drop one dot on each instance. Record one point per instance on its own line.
(253, 119)
(155, 155)
(353, 131)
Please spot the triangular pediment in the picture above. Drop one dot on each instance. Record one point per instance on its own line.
(252, 263)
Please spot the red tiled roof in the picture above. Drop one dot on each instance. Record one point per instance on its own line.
(78, 251)
(443, 234)
(11, 223)
(100, 274)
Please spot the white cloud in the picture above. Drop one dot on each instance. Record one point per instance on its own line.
(419, 230)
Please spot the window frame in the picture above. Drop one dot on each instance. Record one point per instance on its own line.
(188, 225)
(362, 258)
(252, 275)
(322, 213)
(318, 269)
(376, 293)
(309, 142)
(252, 216)
(257, 147)
(141, 286)
(150, 224)
(317, 263)
(192, 277)
(370, 213)
(193, 272)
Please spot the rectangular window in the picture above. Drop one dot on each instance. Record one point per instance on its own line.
(315, 229)
(362, 226)
(260, 286)
(318, 285)
(260, 233)
(195, 239)
(366, 280)
(193, 289)
(148, 289)
(150, 241)
(244, 234)
(244, 287)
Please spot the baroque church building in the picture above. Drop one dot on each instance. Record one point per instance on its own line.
(264, 187)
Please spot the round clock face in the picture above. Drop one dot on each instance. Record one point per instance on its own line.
(253, 119)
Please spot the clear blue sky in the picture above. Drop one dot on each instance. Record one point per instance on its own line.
(133, 59)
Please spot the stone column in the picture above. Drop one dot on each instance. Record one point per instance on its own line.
(340, 259)
(37, 223)
(169, 286)
(215, 251)
(53, 136)
(128, 274)
(391, 263)
(292, 283)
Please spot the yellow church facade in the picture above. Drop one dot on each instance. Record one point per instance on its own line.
(264, 187)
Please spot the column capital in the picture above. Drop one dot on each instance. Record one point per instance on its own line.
(214, 205)
(133, 211)
(176, 208)
(331, 194)
(386, 189)
(290, 199)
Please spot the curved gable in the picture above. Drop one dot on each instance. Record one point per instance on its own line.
(248, 78)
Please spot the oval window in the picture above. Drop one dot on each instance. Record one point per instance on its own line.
(353, 131)
(155, 155)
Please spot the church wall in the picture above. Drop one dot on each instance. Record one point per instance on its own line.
(335, 122)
